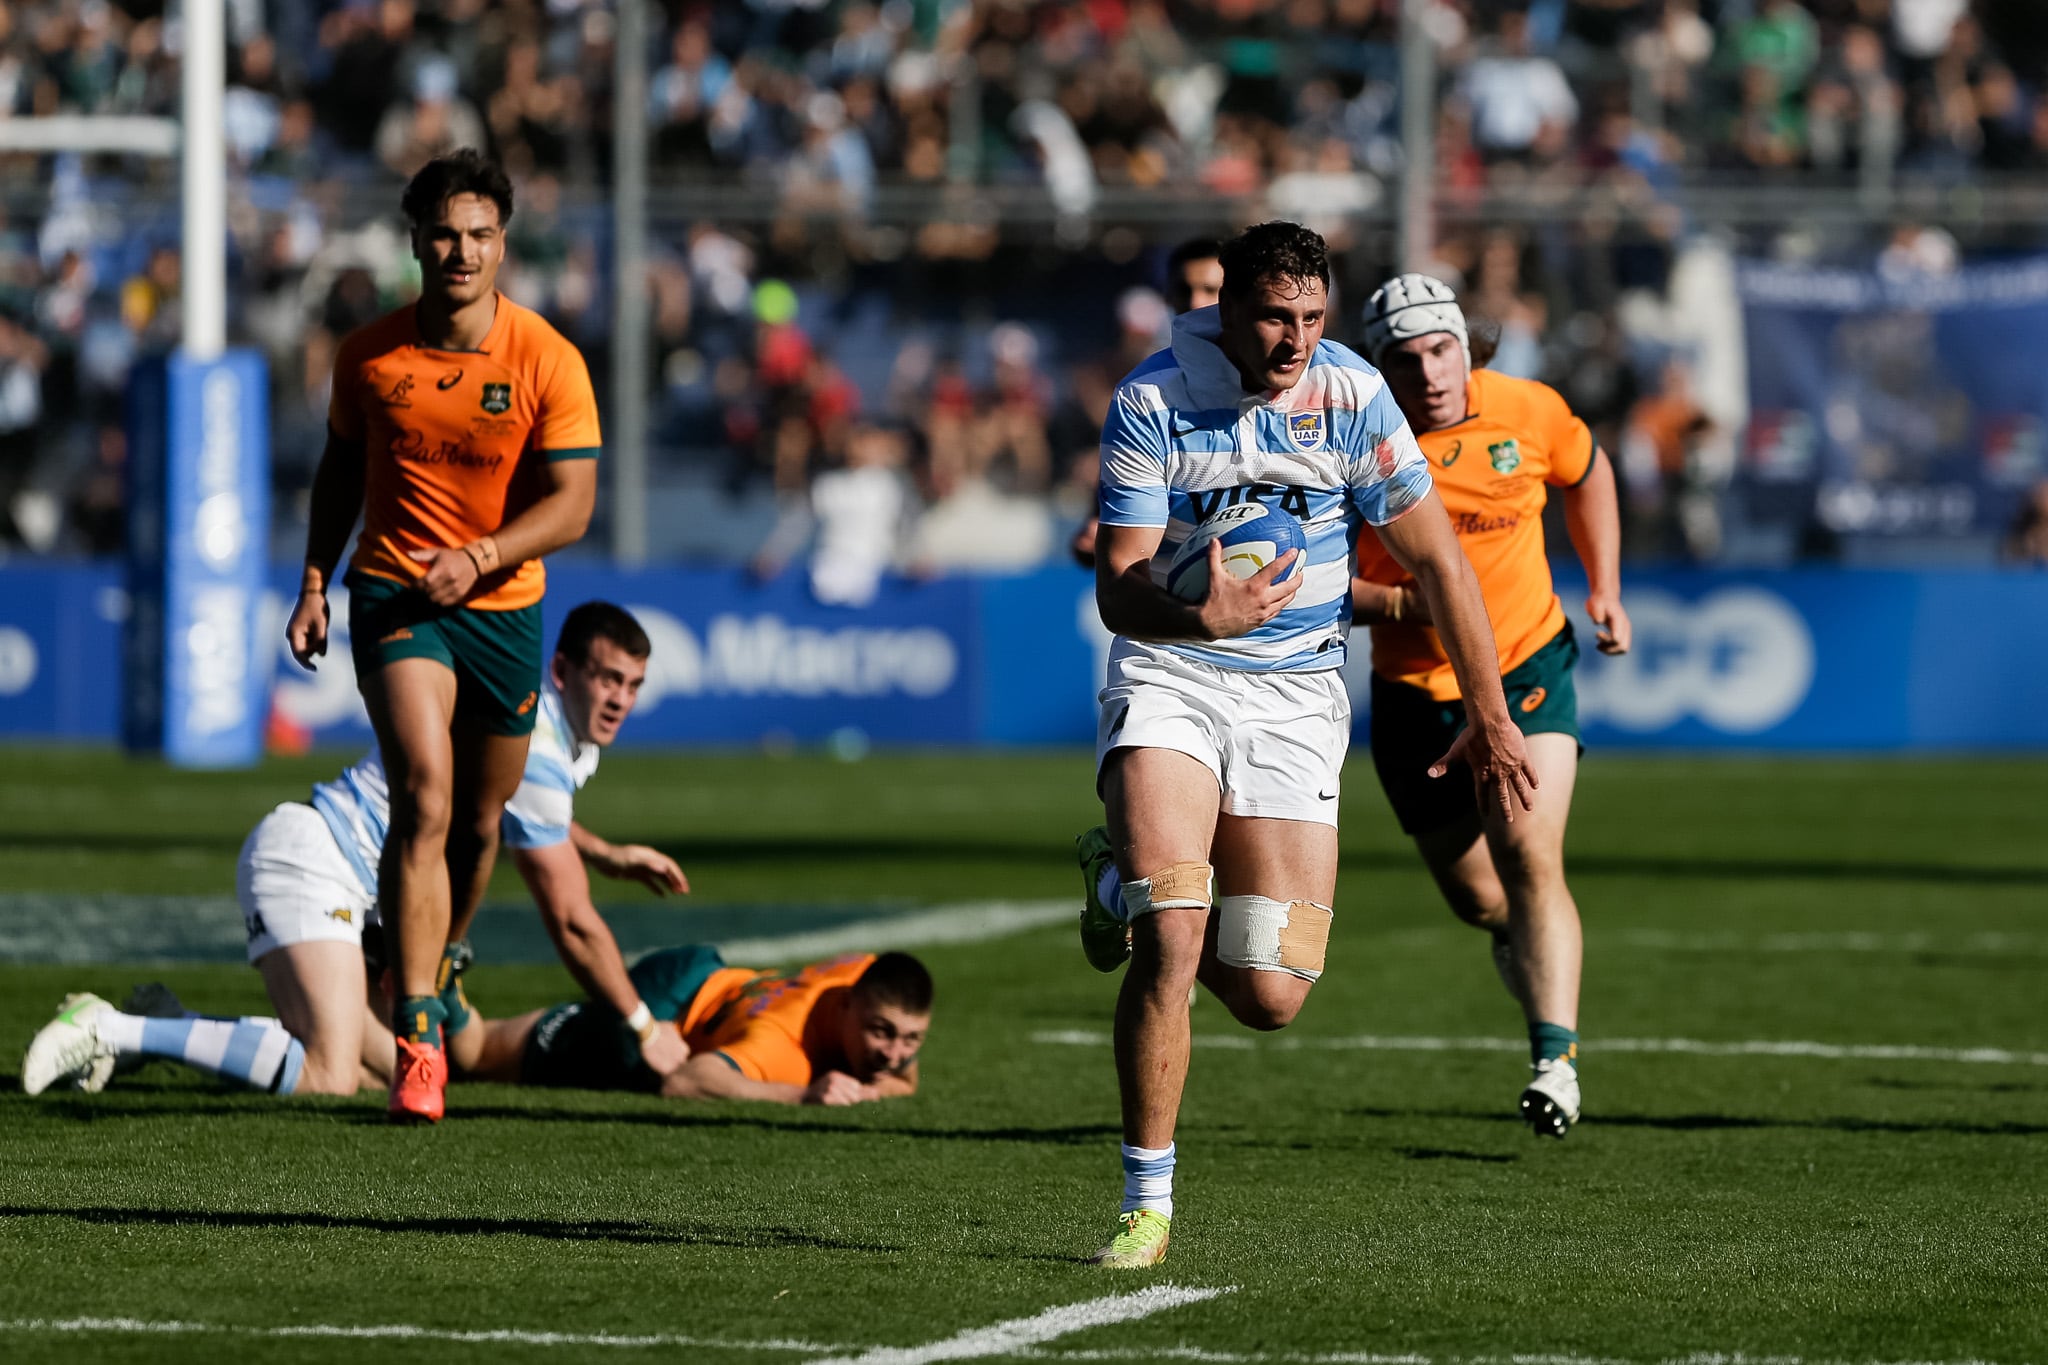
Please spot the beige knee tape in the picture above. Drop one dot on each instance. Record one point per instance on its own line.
(1273, 936)
(1177, 886)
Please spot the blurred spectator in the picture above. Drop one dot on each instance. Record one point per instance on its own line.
(434, 122)
(2027, 543)
(1522, 107)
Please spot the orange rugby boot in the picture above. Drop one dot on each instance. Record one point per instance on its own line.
(419, 1083)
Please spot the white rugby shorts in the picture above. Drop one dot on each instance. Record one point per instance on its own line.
(295, 885)
(1275, 741)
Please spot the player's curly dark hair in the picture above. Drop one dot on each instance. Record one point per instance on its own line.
(467, 171)
(589, 621)
(898, 980)
(1278, 251)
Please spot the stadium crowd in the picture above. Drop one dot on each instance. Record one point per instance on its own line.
(961, 361)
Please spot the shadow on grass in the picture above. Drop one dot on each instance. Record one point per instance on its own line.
(685, 1115)
(558, 1230)
(1448, 1154)
(1702, 1123)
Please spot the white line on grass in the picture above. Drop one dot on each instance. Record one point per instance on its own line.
(407, 1332)
(1839, 1052)
(966, 922)
(1197, 1353)
(1825, 942)
(1018, 1339)
(1020, 1334)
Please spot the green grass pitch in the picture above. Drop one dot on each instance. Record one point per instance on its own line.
(1359, 1202)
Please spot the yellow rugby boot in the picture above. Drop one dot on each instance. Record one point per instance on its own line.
(1140, 1241)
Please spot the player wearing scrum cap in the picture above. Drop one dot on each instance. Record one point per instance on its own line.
(1224, 722)
(1495, 446)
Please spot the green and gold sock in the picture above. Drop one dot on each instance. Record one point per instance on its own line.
(1548, 1041)
(418, 1019)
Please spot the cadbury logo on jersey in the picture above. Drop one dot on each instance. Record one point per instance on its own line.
(1286, 497)
(1306, 429)
(497, 398)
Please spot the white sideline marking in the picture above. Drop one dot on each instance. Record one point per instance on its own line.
(406, 1332)
(965, 922)
(1197, 1353)
(1838, 1052)
(1828, 942)
(968, 1345)
(1009, 1338)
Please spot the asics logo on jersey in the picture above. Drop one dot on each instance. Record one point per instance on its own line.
(448, 382)
(1450, 457)
(1286, 497)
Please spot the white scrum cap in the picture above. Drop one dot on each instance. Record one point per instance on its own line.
(1409, 306)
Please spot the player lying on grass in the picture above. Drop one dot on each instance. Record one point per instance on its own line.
(838, 1032)
(307, 883)
(1496, 445)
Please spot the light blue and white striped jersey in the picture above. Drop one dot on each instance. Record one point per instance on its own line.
(357, 805)
(1183, 438)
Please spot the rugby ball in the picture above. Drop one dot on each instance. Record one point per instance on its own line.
(1253, 536)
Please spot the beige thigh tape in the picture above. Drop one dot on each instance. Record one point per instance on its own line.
(1177, 886)
(1266, 935)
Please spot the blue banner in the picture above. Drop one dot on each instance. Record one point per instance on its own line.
(1842, 660)
(199, 521)
(1895, 405)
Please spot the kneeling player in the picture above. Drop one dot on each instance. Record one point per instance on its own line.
(307, 883)
(839, 1032)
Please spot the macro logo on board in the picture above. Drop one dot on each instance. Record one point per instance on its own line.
(766, 656)
(1739, 660)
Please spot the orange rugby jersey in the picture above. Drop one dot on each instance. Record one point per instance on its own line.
(453, 439)
(1491, 471)
(773, 1026)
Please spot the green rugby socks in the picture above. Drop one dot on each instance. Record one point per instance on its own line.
(1548, 1042)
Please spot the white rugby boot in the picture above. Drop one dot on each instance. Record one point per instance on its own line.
(68, 1049)
(1550, 1102)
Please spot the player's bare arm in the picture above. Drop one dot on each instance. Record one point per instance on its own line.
(337, 500)
(1132, 605)
(650, 867)
(1424, 544)
(561, 888)
(1374, 604)
(709, 1076)
(558, 519)
(1592, 516)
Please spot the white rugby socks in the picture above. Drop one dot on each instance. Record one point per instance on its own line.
(257, 1052)
(1148, 1178)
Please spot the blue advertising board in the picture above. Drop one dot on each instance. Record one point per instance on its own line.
(199, 520)
(1900, 404)
(1810, 659)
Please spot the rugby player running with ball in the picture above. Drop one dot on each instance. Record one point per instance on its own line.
(1495, 445)
(463, 429)
(1224, 723)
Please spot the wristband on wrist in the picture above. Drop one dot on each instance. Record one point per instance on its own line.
(641, 1021)
(474, 562)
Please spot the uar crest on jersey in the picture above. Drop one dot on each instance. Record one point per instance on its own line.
(1305, 429)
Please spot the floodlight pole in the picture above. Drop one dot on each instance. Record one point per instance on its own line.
(204, 248)
(626, 441)
(1418, 137)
